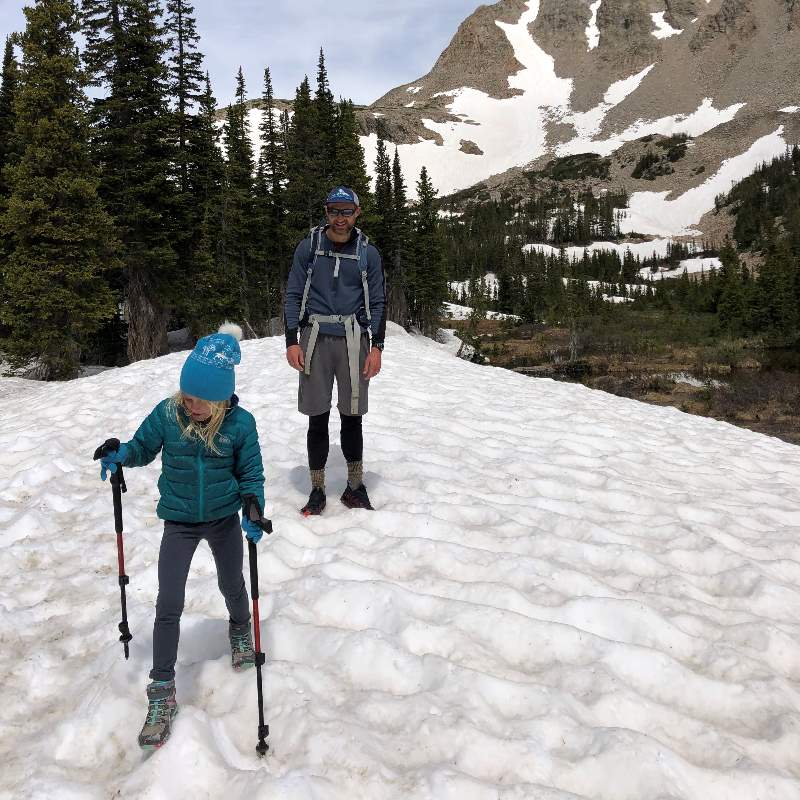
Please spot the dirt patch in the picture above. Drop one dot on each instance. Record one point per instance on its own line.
(723, 381)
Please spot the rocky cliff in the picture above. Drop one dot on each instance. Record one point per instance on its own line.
(525, 82)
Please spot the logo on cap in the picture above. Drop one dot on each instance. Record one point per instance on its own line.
(341, 194)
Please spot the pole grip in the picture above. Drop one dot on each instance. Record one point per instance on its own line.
(253, 558)
(117, 488)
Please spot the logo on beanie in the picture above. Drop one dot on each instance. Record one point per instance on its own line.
(218, 351)
(225, 357)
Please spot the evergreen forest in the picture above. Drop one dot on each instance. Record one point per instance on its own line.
(754, 293)
(131, 205)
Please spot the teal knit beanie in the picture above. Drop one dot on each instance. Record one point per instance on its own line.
(208, 372)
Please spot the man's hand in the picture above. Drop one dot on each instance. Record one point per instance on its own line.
(372, 366)
(294, 355)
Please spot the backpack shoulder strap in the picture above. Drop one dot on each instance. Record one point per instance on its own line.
(361, 249)
(315, 237)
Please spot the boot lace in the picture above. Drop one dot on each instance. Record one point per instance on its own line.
(157, 711)
(240, 642)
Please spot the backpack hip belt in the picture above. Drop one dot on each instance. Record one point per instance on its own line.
(352, 335)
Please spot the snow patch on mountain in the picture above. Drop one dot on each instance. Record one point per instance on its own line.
(654, 214)
(587, 124)
(663, 29)
(592, 31)
(691, 266)
(512, 132)
(656, 247)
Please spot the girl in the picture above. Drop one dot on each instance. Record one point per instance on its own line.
(210, 462)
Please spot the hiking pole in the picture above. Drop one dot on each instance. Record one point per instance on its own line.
(117, 488)
(253, 512)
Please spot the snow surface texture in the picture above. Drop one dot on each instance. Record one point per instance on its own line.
(562, 595)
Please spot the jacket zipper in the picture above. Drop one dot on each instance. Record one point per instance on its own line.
(201, 500)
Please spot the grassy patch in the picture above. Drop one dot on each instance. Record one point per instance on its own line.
(576, 167)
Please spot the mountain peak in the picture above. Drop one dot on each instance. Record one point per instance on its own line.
(522, 83)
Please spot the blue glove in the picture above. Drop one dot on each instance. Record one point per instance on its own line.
(110, 458)
(251, 530)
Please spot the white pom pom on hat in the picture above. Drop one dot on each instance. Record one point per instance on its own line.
(232, 329)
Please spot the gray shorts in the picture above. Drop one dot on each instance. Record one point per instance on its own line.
(329, 361)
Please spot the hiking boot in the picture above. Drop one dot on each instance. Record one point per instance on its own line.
(243, 656)
(315, 504)
(357, 498)
(161, 711)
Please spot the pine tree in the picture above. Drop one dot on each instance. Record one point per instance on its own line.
(350, 168)
(186, 77)
(55, 295)
(384, 210)
(397, 258)
(240, 209)
(303, 203)
(274, 245)
(428, 283)
(209, 292)
(133, 132)
(272, 146)
(325, 134)
(731, 305)
(186, 83)
(8, 89)
(9, 82)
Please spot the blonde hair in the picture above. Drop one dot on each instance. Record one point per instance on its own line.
(207, 432)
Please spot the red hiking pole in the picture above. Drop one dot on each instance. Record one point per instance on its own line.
(253, 512)
(263, 730)
(117, 488)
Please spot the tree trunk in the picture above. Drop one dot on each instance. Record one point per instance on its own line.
(147, 319)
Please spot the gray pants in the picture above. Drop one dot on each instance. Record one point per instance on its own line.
(178, 544)
(328, 362)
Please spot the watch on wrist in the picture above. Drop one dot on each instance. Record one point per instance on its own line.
(379, 345)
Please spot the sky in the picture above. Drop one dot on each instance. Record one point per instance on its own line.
(370, 46)
(561, 595)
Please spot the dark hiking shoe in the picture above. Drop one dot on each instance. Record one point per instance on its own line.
(161, 711)
(357, 498)
(243, 656)
(315, 504)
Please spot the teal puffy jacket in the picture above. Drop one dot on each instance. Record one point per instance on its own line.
(196, 484)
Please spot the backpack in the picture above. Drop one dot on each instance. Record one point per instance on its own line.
(362, 244)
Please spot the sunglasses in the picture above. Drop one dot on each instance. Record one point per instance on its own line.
(340, 212)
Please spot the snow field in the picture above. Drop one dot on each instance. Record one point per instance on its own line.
(563, 594)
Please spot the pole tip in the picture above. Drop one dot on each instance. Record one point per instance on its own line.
(261, 749)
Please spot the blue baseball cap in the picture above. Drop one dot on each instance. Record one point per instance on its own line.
(342, 194)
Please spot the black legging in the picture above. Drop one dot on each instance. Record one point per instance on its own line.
(318, 441)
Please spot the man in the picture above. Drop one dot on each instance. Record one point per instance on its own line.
(336, 299)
